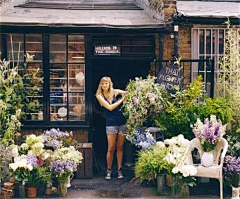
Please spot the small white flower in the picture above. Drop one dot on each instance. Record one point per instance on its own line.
(15, 152)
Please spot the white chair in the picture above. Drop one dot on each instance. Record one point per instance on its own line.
(214, 171)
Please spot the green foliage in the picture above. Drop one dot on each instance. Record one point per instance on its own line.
(188, 105)
(228, 82)
(150, 163)
(16, 85)
(38, 176)
(233, 145)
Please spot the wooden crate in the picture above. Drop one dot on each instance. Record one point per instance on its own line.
(85, 169)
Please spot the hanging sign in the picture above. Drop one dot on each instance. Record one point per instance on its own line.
(107, 50)
(170, 77)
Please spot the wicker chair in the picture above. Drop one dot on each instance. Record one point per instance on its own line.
(214, 171)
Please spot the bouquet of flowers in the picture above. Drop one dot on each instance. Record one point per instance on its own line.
(20, 169)
(231, 170)
(209, 132)
(54, 138)
(145, 99)
(141, 138)
(181, 173)
(65, 161)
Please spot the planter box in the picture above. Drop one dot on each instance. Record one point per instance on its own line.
(85, 169)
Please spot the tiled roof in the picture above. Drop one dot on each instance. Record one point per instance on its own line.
(207, 9)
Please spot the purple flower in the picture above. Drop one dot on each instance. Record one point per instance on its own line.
(32, 160)
(54, 137)
(142, 139)
(232, 164)
(63, 166)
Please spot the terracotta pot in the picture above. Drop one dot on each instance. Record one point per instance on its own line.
(32, 192)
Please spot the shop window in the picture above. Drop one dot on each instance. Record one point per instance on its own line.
(67, 78)
(18, 46)
(207, 43)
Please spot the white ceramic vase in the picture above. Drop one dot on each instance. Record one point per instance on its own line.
(70, 177)
(235, 192)
(207, 159)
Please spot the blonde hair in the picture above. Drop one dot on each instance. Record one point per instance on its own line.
(110, 90)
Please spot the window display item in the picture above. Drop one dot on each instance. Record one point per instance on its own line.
(80, 78)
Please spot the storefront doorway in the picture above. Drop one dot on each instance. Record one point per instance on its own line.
(120, 72)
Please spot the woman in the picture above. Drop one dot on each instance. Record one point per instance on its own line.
(115, 122)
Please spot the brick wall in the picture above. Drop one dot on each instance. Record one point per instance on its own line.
(169, 9)
(184, 47)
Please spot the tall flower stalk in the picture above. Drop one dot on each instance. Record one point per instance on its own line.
(209, 132)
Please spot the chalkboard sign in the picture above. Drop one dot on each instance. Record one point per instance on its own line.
(169, 77)
(107, 50)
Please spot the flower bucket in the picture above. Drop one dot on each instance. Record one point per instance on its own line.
(22, 191)
(207, 159)
(161, 181)
(32, 192)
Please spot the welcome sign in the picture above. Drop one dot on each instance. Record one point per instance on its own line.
(170, 77)
(107, 50)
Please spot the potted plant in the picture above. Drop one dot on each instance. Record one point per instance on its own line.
(34, 179)
(231, 172)
(151, 164)
(208, 133)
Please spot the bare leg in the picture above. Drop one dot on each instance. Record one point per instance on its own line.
(120, 143)
(111, 148)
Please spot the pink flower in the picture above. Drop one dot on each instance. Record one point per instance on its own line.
(135, 101)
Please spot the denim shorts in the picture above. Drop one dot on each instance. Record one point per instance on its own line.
(116, 129)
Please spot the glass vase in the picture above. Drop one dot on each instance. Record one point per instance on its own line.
(175, 188)
(178, 189)
(184, 191)
(62, 186)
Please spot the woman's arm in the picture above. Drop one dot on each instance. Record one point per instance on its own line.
(108, 106)
(119, 92)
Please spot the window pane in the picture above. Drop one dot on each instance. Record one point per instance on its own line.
(208, 42)
(15, 47)
(58, 77)
(34, 46)
(76, 48)
(213, 41)
(201, 41)
(58, 110)
(76, 77)
(221, 41)
(76, 106)
(57, 48)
